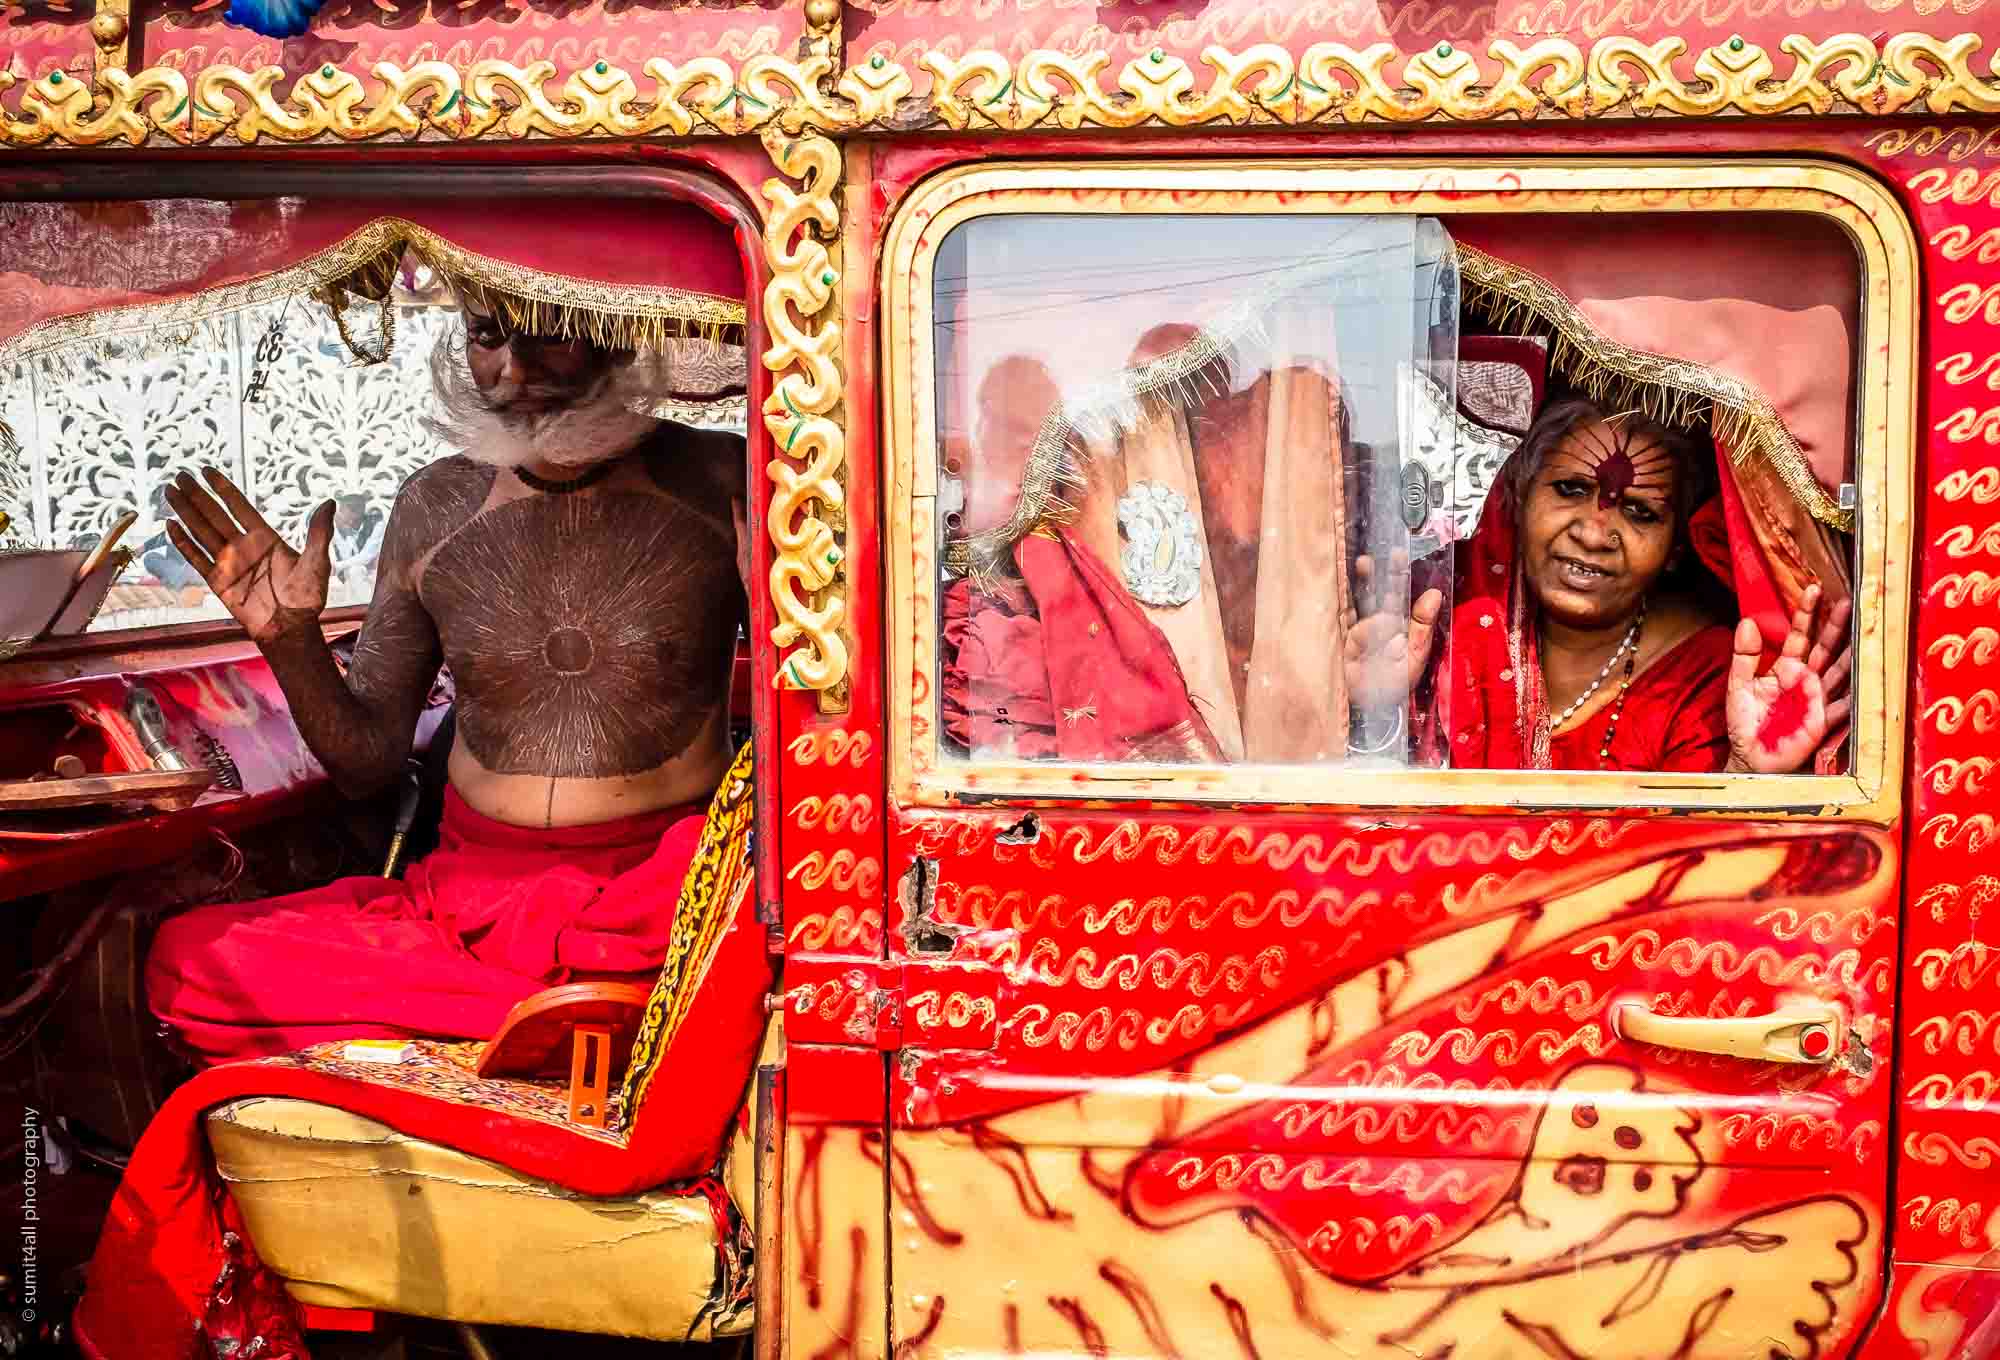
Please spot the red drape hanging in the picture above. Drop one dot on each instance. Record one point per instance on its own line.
(112, 271)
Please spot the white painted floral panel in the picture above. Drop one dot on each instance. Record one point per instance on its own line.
(97, 433)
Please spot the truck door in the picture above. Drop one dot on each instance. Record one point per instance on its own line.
(1276, 1030)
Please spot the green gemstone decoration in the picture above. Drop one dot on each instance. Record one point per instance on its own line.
(827, 278)
(603, 66)
(1444, 49)
(878, 61)
(1736, 44)
(326, 71)
(1158, 55)
(55, 77)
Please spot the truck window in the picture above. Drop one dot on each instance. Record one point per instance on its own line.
(1219, 482)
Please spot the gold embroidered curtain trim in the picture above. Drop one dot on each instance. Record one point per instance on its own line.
(616, 316)
(1178, 378)
(364, 264)
(1675, 391)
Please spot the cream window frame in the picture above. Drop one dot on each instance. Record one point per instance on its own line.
(1886, 357)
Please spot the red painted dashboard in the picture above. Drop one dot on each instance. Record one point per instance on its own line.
(222, 709)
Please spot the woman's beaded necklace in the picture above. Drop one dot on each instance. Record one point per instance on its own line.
(1627, 649)
(1618, 708)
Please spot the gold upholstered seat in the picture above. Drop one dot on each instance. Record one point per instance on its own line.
(352, 1214)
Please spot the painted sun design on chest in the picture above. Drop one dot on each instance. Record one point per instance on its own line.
(587, 635)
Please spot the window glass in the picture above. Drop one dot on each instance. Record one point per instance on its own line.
(1193, 472)
(102, 429)
(1390, 490)
(95, 429)
(271, 392)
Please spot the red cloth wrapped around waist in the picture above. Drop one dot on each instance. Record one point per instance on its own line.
(547, 901)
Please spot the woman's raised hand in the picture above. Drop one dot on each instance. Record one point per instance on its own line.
(1385, 653)
(266, 587)
(1779, 720)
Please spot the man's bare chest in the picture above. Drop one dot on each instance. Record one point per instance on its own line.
(587, 634)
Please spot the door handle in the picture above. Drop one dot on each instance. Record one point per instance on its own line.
(1797, 1034)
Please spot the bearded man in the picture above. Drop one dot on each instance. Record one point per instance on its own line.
(576, 567)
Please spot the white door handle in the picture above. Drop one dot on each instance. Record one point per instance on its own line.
(1797, 1034)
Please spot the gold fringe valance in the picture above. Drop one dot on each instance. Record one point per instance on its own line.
(363, 267)
(1203, 367)
(536, 302)
(1674, 391)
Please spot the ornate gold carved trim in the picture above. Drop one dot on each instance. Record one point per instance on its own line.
(1327, 83)
(802, 316)
(111, 35)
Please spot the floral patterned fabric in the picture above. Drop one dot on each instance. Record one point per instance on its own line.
(449, 1071)
(715, 883)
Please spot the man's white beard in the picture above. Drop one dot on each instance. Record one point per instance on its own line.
(598, 425)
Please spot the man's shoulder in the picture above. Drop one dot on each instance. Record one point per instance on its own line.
(449, 487)
(706, 465)
(437, 500)
(676, 442)
(454, 471)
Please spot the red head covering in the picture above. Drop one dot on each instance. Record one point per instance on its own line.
(1492, 708)
(1065, 665)
(1495, 711)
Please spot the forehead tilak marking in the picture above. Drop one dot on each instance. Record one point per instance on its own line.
(1606, 448)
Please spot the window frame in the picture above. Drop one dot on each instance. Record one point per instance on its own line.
(1886, 396)
(392, 181)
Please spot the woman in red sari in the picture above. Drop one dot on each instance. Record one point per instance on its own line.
(1571, 647)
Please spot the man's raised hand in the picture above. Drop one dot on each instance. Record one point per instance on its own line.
(266, 587)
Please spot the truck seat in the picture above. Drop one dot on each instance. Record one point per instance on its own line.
(352, 1214)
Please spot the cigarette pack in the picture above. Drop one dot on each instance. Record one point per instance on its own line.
(378, 1050)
